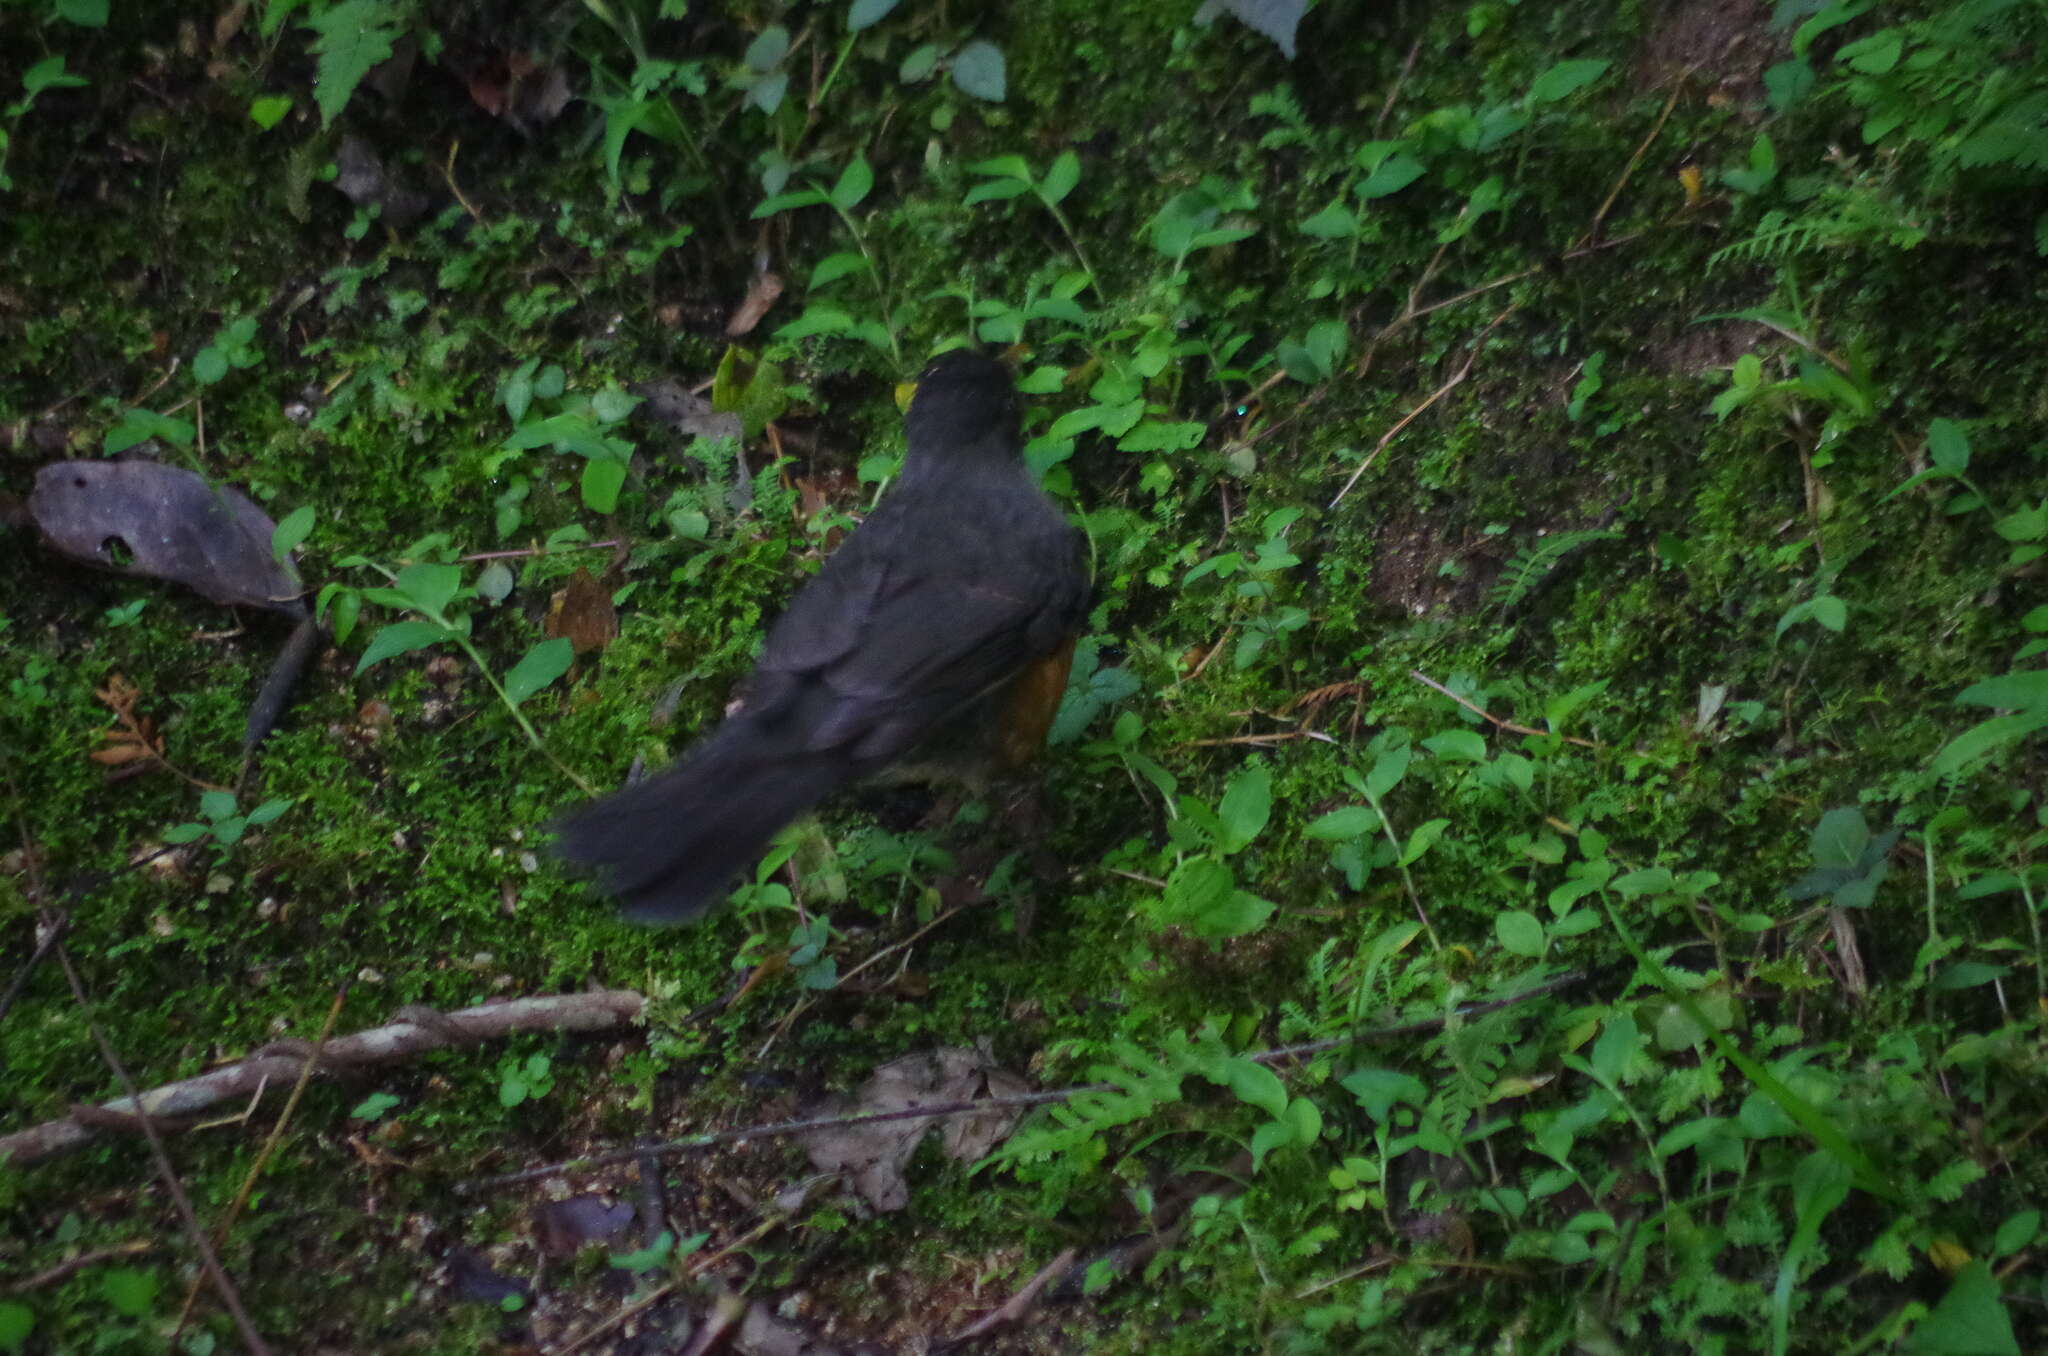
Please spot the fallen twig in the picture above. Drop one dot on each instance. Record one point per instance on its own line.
(415, 1032)
(1419, 676)
(1015, 1307)
(1457, 378)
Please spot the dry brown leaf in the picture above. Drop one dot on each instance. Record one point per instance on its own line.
(875, 1154)
(582, 610)
(762, 291)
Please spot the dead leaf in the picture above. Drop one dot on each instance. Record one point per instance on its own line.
(564, 1228)
(762, 291)
(673, 405)
(133, 738)
(471, 1277)
(582, 610)
(512, 86)
(170, 523)
(875, 1154)
(361, 178)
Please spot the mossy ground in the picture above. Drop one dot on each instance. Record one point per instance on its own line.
(148, 210)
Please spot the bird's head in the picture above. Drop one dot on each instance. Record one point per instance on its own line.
(963, 399)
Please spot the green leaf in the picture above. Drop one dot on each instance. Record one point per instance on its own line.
(1874, 55)
(1464, 745)
(767, 49)
(1422, 840)
(1565, 79)
(855, 182)
(1948, 446)
(833, 267)
(1395, 173)
(1246, 806)
(1240, 914)
(1003, 167)
(919, 65)
(1153, 435)
(429, 587)
(1377, 1090)
(867, 13)
(1258, 1085)
(1060, 178)
(269, 810)
(1197, 887)
(543, 664)
(84, 13)
(1786, 83)
(601, 483)
(996, 190)
(1967, 975)
(1970, 1320)
(1831, 612)
(286, 536)
(1334, 222)
(268, 110)
(2023, 691)
(1985, 738)
(17, 1321)
(179, 834)
(2017, 1232)
(1351, 821)
(401, 638)
(131, 1291)
(978, 71)
(216, 805)
(373, 1107)
(354, 36)
(1840, 838)
(1650, 880)
(1520, 932)
(783, 202)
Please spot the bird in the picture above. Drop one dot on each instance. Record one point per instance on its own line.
(939, 635)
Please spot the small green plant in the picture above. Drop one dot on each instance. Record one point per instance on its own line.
(821, 317)
(222, 822)
(46, 74)
(524, 1080)
(435, 593)
(1202, 895)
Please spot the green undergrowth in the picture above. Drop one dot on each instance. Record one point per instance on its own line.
(1565, 490)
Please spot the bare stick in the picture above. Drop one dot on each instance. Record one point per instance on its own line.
(1464, 371)
(1419, 676)
(410, 1035)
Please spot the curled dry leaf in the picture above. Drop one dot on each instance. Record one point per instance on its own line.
(762, 291)
(876, 1154)
(363, 180)
(164, 522)
(564, 1228)
(671, 404)
(582, 610)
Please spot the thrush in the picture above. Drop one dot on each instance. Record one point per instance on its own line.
(940, 633)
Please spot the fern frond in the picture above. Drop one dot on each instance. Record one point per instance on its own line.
(1531, 564)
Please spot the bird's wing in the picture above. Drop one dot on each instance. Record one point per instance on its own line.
(877, 650)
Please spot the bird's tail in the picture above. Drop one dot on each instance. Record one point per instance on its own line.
(668, 847)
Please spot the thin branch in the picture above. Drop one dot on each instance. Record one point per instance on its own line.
(1464, 371)
(1419, 676)
(415, 1031)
